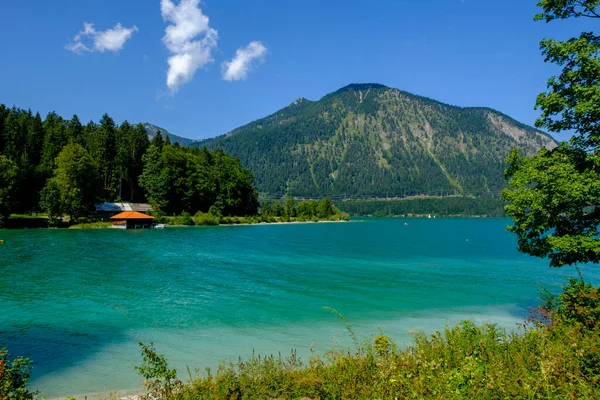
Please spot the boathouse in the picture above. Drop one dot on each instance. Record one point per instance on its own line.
(107, 210)
(132, 220)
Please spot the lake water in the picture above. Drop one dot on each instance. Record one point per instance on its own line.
(79, 301)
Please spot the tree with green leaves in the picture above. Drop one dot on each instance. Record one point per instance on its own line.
(325, 208)
(289, 208)
(14, 377)
(50, 201)
(8, 178)
(554, 196)
(77, 178)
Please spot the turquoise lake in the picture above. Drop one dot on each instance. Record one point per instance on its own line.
(79, 301)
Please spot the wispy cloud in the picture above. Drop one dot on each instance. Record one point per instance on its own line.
(90, 40)
(189, 38)
(245, 58)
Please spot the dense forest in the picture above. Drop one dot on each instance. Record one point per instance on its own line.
(437, 206)
(368, 140)
(62, 167)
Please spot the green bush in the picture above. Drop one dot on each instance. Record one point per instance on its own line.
(579, 303)
(14, 375)
(160, 381)
(207, 219)
(185, 219)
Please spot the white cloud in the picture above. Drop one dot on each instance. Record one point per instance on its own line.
(182, 39)
(109, 40)
(245, 58)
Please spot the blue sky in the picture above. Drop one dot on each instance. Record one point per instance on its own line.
(462, 52)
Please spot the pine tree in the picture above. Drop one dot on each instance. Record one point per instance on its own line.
(54, 141)
(158, 141)
(75, 131)
(106, 152)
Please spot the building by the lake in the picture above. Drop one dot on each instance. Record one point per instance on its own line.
(107, 210)
(132, 220)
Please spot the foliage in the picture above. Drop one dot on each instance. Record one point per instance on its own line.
(76, 178)
(459, 362)
(438, 206)
(14, 375)
(161, 381)
(186, 219)
(8, 178)
(578, 303)
(208, 219)
(178, 179)
(367, 141)
(554, 196)
(307, 210)
(113, 158)
(561, 9)
(50, 201)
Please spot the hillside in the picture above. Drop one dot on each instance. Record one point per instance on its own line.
(152, 129)
(368, 140)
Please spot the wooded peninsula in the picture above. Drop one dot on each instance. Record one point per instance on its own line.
(62, 168)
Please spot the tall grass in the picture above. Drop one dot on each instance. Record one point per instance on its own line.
(466, 361)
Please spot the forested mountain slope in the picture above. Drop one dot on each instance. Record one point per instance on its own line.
(374, 141)
(153, 129)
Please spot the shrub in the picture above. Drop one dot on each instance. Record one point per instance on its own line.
(578, 303)
(205, 219)
(14, 375)
(161, 381)
(185, 219)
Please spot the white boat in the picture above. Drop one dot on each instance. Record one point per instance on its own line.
(159, 226)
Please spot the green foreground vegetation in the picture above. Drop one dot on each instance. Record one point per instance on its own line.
(554, 355)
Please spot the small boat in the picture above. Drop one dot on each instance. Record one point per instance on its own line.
(159, 226)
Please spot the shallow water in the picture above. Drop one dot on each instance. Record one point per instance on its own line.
(79, 301)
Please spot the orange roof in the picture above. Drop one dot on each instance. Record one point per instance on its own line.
(132, 215)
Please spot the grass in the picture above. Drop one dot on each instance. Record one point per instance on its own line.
(29, 216)
(91, 225)
(466, 361)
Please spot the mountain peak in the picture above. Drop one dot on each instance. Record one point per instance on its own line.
(362, 86)
(298, 101)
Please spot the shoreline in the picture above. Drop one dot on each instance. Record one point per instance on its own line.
(352, 219)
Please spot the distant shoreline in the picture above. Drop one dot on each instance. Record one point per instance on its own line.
(107, 225)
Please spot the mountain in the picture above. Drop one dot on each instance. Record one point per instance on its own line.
(152, 129)
(372, 141)
(369, 140)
